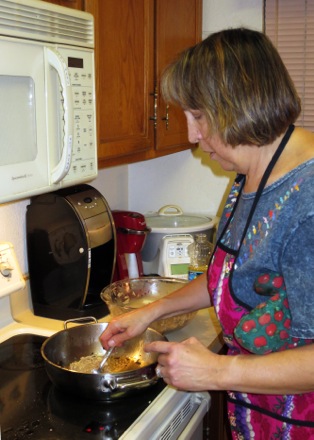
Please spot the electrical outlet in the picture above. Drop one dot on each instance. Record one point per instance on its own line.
(11, 278)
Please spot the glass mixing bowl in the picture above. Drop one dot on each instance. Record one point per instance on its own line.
(130, 294)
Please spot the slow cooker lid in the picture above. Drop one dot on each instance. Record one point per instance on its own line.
(172, 217)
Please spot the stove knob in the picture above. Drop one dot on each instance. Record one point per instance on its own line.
(6, 269)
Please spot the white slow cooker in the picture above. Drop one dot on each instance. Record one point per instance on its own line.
(172, 231)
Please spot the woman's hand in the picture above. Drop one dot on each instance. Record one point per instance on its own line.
(190, 366)
(124, 327)
(186, 365)
(192, 296)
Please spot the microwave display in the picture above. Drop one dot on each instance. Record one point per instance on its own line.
(75, 62)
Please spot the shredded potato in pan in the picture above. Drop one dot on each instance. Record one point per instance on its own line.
(113, 365)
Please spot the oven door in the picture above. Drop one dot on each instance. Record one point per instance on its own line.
(172, 415)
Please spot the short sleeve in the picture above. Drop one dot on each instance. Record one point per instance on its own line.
(298, 270)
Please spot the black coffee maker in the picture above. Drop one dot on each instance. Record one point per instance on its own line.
(71, 248)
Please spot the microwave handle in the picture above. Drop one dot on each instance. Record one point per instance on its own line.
(54, 58)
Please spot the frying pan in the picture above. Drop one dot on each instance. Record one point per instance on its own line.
(71, 344)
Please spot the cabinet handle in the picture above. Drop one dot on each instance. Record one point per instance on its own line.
(166, 118)
(154, 117)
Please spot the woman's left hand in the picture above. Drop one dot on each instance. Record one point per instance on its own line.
(184, 365)
(190, 366)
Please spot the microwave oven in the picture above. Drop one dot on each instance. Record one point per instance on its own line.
(47, 98)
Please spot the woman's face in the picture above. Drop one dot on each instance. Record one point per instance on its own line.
(199, 132)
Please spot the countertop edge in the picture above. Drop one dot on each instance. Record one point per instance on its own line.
(205, 327)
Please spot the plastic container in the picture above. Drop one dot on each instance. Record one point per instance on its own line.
(199, 253)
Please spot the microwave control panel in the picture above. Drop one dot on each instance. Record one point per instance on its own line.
(174, 257)
(80, 65)
(11, 278)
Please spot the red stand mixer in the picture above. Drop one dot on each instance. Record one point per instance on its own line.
(131, 233)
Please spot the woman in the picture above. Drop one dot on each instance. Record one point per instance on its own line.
(240, 104)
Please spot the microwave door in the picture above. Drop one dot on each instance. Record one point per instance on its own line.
(59, 114)
(24, 163)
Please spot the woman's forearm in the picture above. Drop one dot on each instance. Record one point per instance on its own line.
(193, 296)
(285, 372)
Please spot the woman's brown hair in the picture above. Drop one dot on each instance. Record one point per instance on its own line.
(237, 78)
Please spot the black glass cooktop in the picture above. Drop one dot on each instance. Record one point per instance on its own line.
(32, 408)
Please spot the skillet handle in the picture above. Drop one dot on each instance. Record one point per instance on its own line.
(115, 385)
(137, 384)
(83, 320)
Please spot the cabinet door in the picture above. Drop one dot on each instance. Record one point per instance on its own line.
(124, 65)
(178, 26)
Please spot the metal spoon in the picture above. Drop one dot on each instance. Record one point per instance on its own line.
(103, 361)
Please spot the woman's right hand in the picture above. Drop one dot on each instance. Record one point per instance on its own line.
(124, 327)
(193, 296)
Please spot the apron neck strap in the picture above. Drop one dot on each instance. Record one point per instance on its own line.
(274, 159)
(266, 175)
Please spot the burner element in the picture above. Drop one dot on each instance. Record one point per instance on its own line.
(21, 352)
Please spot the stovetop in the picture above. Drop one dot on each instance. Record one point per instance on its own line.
(32, 408)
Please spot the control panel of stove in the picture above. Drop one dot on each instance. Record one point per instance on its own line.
(11, 278)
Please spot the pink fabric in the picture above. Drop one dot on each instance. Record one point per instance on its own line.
(255, 416)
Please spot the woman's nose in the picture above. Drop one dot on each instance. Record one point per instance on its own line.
(194, 135)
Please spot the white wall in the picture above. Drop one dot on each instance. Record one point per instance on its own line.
(220, 14)
(186, 179)
(113, 183)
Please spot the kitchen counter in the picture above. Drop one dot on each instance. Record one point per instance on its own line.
(205, 327)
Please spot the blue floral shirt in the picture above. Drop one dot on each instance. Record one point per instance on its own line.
(280, 239)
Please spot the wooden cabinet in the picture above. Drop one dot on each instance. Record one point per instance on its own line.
(216, 424)
(135, 39)
(177, 26)
(124, 81)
